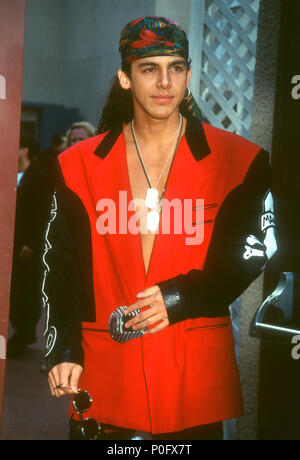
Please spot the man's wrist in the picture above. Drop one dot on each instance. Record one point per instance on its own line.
(66, 356)
(173, 301)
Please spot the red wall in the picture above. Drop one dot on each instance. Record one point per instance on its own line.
(12, 15)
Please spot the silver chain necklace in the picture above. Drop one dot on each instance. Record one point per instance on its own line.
(152, 200)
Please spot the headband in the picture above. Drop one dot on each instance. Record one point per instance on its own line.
(156, 36)
(152, 36)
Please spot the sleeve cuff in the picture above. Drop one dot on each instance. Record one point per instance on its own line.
(173, 301)
(66, 356)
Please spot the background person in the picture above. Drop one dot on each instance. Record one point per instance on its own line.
(78, 132)
(31, 217)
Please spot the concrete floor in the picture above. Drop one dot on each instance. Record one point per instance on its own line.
(29, 410)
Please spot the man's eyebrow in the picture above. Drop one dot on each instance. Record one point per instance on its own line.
(144, 64)
(178, 62)
(156, 64)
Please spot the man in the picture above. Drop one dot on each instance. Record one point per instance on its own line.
(31, 218)
(171, 219)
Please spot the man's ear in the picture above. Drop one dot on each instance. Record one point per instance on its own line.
(124, 79)
(189, 72)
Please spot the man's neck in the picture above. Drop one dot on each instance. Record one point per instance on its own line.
(151, 131)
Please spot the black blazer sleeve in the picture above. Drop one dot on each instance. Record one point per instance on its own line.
(60, 293)
(67, 290)
(243, 241)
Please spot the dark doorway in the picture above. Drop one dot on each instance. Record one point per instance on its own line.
(279, 400)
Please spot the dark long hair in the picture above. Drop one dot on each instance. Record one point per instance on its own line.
(119, 107)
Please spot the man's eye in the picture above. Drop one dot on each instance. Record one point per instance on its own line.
(149, 70)
(177, 68)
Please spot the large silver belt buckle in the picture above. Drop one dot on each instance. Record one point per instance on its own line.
(116, 325)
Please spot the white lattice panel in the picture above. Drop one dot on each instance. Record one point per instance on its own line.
(228, 63)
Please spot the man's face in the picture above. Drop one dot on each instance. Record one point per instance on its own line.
(77, 135)
(23, 154)
(158, 85)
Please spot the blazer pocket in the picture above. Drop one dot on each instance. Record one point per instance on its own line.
(207, 327)
(208, 215)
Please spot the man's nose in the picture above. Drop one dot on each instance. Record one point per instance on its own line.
(164, 80)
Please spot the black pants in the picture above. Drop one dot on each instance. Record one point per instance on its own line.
(211, 432)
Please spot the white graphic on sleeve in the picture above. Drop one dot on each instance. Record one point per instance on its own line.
(51, 339)
(254, 251)
(254, 247)
(268, 225)
(51, 333)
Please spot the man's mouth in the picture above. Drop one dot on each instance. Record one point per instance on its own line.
(162, 98)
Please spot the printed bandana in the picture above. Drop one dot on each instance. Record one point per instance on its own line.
(152, 36)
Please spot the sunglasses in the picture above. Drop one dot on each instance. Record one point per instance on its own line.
(89, 427)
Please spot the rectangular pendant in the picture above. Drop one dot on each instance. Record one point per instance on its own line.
(151, 198)
(152, 221)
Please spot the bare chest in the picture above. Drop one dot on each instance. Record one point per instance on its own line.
(139, 185)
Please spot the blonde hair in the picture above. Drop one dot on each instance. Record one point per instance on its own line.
(90, 129)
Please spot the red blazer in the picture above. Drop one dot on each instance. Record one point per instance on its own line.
(185, 375)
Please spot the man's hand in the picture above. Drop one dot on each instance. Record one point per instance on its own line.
(63, 379)
(155, 311)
